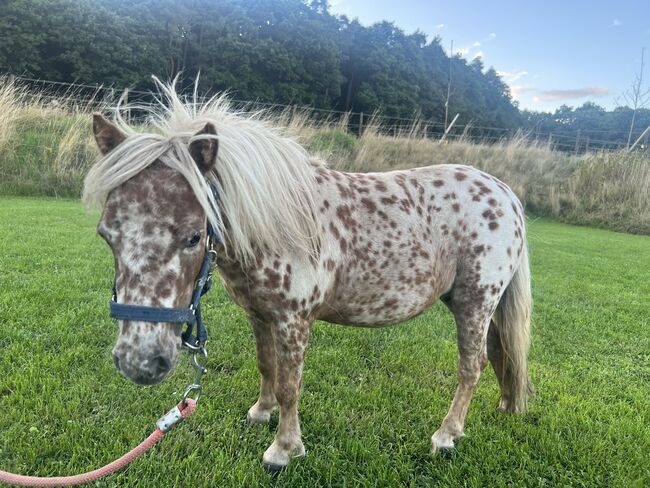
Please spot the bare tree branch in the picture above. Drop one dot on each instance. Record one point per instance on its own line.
(636, 96)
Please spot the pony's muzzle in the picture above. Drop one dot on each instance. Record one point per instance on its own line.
(148, 372)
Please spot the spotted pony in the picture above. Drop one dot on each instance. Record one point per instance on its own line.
(302, 242)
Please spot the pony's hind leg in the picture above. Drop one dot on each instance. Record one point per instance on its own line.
(261, 411)
(472, 323)
(290, 341)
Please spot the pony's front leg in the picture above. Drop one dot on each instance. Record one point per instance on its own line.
(290, 341)
(261, 412)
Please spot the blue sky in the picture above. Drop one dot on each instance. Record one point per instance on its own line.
(549, 52)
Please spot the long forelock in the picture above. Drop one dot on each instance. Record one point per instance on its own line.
(264, 180)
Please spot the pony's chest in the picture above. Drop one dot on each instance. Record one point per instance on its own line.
(278, 288)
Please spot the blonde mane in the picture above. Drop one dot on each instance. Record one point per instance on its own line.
(266, 182)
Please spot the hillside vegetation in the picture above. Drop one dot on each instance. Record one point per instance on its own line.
(46, 150)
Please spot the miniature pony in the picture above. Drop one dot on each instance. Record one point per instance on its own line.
(302, 242)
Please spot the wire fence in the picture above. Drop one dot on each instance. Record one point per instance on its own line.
(578, 141)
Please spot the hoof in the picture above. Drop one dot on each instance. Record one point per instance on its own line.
(443, 443)
(257, 416)
(508, 408)
(273, 468)
(276, 459)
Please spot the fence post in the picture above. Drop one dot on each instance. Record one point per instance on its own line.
(645, 134)
(124, 99)
(577, 142)
(587, 145)
(444, 136)
(360, 123)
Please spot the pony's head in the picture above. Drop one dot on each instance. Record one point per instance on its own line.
(155, 192)
(156, 228)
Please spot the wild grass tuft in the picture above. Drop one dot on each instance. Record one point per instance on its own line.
(46, 143)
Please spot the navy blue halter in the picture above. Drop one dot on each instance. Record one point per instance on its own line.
(190, 315)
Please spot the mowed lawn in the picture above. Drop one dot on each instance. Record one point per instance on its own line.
(371, 398)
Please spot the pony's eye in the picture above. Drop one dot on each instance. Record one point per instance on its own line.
(194, 240)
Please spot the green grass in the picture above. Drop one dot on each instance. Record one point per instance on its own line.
(371, 398)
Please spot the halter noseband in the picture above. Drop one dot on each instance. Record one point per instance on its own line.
(190, 315)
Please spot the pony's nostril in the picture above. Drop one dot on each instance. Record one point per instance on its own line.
(161, 365)
(116, 361)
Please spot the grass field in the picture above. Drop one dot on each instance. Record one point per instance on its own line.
(371, 398)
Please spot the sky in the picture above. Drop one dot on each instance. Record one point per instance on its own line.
(549, 52)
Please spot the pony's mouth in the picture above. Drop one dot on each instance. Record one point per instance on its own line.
(154, 372)
(144, 381)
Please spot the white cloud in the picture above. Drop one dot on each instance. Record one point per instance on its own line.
(511, 77)
(570, 94)
(467, 50)
(440, 26)
(617, 23)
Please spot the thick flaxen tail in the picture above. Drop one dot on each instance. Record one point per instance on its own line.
(512, 319)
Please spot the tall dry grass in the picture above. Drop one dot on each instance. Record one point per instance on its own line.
(610, 190)
(45, 143)
(46, 149)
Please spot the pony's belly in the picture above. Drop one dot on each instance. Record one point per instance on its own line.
(379, 312)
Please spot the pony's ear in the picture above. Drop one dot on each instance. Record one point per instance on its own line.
(107, 135)
(204, 150)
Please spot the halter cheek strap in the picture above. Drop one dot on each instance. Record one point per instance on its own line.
(190, 315)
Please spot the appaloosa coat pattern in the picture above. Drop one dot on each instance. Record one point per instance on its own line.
(302, 242)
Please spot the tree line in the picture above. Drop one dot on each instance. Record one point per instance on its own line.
(588, 126)
(282, 51)
(279, 51)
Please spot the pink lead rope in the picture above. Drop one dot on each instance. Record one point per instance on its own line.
(175, 415)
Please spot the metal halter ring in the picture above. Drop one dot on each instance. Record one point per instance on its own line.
(194, 390)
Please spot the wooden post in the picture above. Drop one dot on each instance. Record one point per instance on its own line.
(360, 123)
(124, 100)
(644, 134)
(577, 143)
(587, 145)
(451, 55)
(444, 136)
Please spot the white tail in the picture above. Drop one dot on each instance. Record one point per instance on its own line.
(512, 319)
